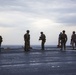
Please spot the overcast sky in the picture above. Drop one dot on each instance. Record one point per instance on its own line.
(49, 16)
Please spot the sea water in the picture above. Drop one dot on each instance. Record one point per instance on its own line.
(21, 46)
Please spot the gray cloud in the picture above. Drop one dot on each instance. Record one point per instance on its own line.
(6, 25)
(68, 19)
(36, 15)
(52, 9)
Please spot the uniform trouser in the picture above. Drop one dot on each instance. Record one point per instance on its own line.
(63, 44)
(27, 45)
(73, 44)
(42, 45)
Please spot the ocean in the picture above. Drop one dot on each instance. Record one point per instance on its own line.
(34, 47)
(22, 46)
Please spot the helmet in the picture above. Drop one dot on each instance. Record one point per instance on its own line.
(28, 31)
(63, 30)
(73, 31)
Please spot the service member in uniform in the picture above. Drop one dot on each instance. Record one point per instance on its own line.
(43, 40)
(63, 40)
(27, 41)
(73, 39)
(0, 42)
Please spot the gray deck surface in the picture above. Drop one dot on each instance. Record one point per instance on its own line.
(37, 62)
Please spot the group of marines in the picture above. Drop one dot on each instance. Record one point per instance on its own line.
(27, 40)
(62, 39)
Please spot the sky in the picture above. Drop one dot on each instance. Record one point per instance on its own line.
(49, 16)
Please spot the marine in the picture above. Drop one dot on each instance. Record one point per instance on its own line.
(27, 41)
(43, 40)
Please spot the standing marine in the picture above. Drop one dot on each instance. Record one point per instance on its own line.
(73, 40)
(43, 40)
(27, 41)
(1, 39)
(59, 40)
(63, 40)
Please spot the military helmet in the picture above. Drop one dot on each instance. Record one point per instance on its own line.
(63, 30)
(28, 31)
(73, 31)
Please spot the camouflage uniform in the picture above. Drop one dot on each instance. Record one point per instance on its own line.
(59, 39)
(73, 39)
(43, 39)
(63, 40)
(27, 41)
(0, 42)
